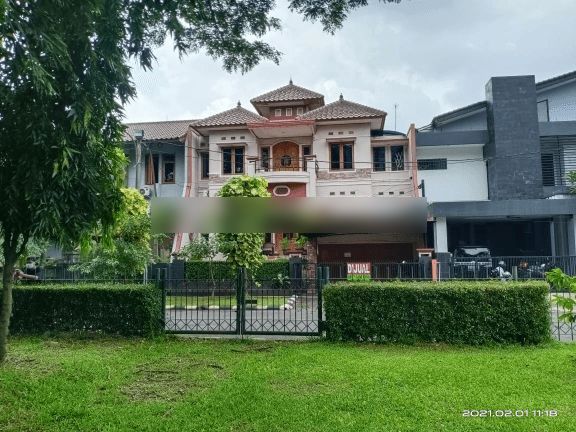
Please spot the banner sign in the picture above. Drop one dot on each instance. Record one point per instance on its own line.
(358, 271)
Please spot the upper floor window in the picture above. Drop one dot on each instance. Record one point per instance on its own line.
(278, 112)
(432, 164)
(306, 151)
(299, 111)
(265, 158)
(543, 111)
(168, 168)
(341, 156)
(397, 156)
(205, 165)
(379, 158)
(548, 171)
(233, 160)
(288, 112)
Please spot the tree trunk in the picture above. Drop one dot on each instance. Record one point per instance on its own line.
(6, 306)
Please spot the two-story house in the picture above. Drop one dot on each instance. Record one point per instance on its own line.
(304, 148)
(495, 172)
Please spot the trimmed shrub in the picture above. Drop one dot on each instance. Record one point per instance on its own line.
(453, 312)
(271, 269)
(123, 309)
(221, 270)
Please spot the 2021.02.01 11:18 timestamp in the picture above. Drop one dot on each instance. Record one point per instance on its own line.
(510, 413)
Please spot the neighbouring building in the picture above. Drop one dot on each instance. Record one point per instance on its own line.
(495, 172)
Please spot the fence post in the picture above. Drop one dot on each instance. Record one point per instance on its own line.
(161, 285)
(515, 273)
(240, 300)
(319, 284)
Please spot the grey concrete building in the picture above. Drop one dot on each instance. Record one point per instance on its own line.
(495, 173)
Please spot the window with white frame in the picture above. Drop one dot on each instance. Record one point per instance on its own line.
(299, 111)
(288, 112)
(278, 112)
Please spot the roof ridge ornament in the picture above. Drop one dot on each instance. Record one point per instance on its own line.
(290, 83)
(341, 97)
(239, 105)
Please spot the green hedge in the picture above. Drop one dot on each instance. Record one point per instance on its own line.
(222, 270)
(124, 309)
(453, 312)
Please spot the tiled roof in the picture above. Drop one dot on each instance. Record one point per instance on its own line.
(235, 116)
(158, 130)
(289, 92)
(342, 109)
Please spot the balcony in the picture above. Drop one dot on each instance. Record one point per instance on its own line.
(284, 169)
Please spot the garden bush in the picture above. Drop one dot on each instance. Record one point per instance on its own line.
(123, 309)
(452, 312)
(221, 270)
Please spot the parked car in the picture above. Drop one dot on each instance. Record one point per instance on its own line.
(472, 262)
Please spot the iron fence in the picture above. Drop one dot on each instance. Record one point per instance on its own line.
(243, 306)
(561, 329)
(518, 267)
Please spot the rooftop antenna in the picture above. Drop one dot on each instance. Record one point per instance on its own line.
(395, 114)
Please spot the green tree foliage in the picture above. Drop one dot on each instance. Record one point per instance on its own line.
(200, 249)
(243, 249)
(128, 252)
(561, 282)
(64, 77)
(572, 180)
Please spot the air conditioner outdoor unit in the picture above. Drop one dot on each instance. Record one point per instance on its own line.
(146, 192)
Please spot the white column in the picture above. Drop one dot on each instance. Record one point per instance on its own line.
(311, 185)
(572, 235)
(440, 235)
(552, 238)
(251, 166)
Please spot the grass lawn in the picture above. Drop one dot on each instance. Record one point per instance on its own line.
(223, 301)
(192, 385)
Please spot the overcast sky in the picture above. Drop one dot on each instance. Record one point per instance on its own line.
(427, 56)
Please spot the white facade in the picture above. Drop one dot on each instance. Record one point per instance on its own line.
(465, 178)
(561, 102)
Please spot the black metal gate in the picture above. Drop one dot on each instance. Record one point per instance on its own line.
(280, 306)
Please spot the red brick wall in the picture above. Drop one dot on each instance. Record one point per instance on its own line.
(297, 190)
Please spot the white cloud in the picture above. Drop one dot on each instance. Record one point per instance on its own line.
(429, 57)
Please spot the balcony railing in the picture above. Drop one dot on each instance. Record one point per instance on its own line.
(284, 164)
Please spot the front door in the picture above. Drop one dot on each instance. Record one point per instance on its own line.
(286, 156)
